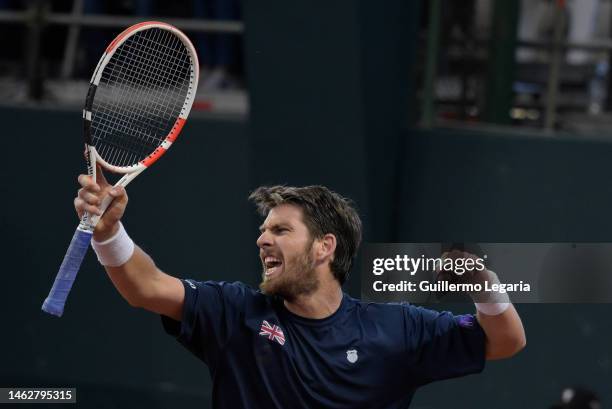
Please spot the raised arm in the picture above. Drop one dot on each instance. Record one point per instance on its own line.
(499, 319)
(138, 279)
(505, 333)
(496, 314)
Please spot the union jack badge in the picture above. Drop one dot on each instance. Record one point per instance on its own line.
(273, 332)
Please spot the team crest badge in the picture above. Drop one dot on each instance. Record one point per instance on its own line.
(351, 356)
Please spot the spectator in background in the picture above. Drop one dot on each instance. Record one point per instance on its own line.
(218, 53)
(537, 22)
(582, 28)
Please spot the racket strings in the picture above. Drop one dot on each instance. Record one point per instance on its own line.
(155, 106)
(141, 93)
(154, 78)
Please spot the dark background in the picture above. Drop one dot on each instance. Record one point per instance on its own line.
(331, 102)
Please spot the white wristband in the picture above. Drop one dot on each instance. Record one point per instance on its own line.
(115, 251)
(492, 308)
(491, 302)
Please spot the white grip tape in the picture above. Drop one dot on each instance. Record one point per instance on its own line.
(115, 251)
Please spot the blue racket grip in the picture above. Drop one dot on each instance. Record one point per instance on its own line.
(54, 304)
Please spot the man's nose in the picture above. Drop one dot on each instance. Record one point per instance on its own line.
(265, 239)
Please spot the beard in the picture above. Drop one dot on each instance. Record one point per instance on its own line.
(298, 278)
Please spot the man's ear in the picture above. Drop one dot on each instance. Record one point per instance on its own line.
(326, 247)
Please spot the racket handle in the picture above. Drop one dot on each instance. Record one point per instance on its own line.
(54, 304)
(106, 201)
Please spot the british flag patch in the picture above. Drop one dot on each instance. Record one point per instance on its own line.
(273, 332)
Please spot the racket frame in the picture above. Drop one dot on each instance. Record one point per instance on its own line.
(130, 172)
(54, 303)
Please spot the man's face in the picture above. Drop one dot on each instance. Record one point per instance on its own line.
(285, 250)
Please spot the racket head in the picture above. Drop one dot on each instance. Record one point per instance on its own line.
(140, 95)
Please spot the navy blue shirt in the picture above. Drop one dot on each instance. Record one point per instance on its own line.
(365, 355)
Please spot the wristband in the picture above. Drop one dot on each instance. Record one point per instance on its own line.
(491, 308)
(491, 302)
(116, 250)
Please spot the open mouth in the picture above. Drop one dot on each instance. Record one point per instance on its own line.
(272, 265)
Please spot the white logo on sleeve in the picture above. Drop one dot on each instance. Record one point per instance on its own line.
(351, 356)
(191, 284)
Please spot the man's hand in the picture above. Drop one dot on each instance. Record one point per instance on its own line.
(90, 197)
(469, 272)
(473, 272)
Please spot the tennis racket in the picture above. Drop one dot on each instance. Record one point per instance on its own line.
(139, 98)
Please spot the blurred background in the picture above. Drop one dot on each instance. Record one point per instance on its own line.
(444, 120)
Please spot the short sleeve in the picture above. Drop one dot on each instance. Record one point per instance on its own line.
(211, 313)
(444, 345)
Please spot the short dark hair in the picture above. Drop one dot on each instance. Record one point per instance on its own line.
(324, 212)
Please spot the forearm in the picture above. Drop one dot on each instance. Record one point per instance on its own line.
(131, 270)
(505, 333)
(136, 279)
(499, 320)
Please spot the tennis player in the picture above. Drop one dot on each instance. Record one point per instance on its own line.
(299, 341)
